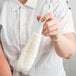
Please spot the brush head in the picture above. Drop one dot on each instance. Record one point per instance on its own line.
(28, 54)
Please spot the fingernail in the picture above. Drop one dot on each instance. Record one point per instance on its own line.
(43, 19)
(38, 18)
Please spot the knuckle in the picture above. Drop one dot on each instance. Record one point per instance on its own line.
(48, 29)
(47, 23)
(48, 15)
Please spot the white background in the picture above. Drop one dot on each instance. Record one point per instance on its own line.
(70, 65)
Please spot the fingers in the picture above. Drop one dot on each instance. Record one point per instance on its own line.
(52, 33)
(45, 18)
(49, 31)
(51, 25)
(38, 18)
(51, 28)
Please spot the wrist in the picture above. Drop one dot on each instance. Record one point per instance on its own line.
(56, 38)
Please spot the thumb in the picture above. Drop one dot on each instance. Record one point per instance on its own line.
(38, 18)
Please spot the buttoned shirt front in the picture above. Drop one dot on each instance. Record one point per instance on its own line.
(19, 22)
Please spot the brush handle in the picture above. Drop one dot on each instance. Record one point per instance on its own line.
(47, 8)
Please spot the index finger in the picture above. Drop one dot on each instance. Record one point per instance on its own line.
(48, 16)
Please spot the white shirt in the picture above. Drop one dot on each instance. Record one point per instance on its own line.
(19, 22)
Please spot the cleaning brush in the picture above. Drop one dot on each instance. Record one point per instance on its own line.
(30, 51)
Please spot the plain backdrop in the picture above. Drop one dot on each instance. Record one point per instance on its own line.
(70, 65)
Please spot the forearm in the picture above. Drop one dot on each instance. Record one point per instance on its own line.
(64, 46)
(4, 66)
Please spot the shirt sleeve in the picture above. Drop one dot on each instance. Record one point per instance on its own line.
(3, 12)
(1, 3)
(62, 12)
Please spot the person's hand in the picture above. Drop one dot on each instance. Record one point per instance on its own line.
(51, 25)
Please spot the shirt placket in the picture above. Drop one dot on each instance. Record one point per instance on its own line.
(22, 30)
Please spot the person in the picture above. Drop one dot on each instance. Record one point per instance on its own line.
(19, 19)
